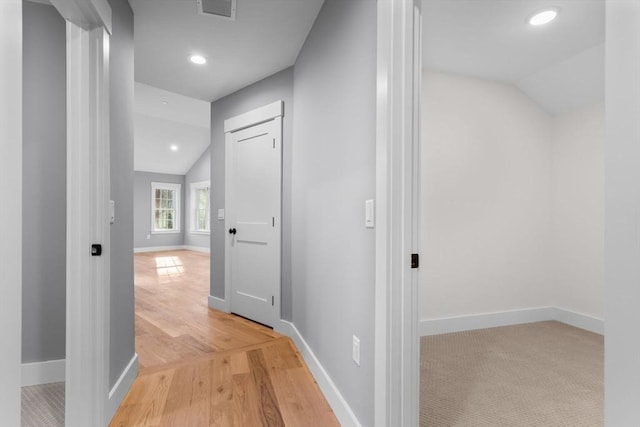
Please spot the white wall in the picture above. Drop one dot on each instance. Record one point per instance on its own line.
(486, 202)
(44, 156)
(513, 202)
(577, 160)
(333, 173)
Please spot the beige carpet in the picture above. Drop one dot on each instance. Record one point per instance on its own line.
(540, 374)
(43, 405)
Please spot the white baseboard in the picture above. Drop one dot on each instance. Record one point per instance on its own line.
(341, 409)
(219, 304)
(51, 371)
(121, 387)
(508, 318)
(197, 249)
(171, 248)
(579, 320)
(158, 249)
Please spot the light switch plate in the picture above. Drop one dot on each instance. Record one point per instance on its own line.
(112, 211)
(220, 213)
(369, 215)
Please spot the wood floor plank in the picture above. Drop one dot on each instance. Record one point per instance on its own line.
(221, 411)
(187, 402)
(201, 367)
(145, 402)
(268, 409)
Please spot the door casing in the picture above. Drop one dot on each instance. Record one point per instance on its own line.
(397, 341)
(11, 210)
(88, 191)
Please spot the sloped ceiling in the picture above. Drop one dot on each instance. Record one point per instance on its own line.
(560, 65)
(163, 119)
(265, 38)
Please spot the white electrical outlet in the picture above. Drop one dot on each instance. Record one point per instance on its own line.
(356, 350)
(148, 236)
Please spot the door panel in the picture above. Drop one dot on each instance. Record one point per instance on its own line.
(253, 211)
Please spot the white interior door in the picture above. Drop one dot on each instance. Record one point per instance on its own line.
(253, 212)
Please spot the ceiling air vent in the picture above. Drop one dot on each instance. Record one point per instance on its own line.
(223, 8)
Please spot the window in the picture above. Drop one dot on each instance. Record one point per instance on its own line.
(200, 207)
(165, 207)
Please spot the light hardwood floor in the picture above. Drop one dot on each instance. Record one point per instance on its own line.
(202, 367)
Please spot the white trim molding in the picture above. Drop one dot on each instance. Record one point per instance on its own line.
(219, 304)
(51, 371)
(172, 248)
(254, 117)
(579, 320)
(121, 387)
(338, 404)
(397, 350)
(197, 249)
(11, 213)
(159, 249)
(86, 14)
(88, 223)
(508, 318)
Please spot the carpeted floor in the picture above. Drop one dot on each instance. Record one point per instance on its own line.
(43, 405)
(540, 374)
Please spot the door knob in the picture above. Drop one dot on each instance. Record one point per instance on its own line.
(232, 231)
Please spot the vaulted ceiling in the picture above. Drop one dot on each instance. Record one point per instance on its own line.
(560, 65)
(265, 38)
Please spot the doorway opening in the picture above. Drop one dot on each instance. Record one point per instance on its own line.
(172, 221)
(512, 213)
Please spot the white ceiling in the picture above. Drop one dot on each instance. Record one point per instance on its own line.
(182, 121)
(265, 38)
(559, 65)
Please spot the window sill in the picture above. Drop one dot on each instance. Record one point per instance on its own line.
(166, 232)
(204, 233)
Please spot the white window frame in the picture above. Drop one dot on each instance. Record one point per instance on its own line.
(194, 187)
(176, 188)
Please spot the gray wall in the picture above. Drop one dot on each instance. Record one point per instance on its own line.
(121, 114)
(44, 184)
(274, 88)
(333, 254)
(200, 171)
(622, 207)
(142, 211)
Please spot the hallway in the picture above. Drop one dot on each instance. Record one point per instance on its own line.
(201, 367)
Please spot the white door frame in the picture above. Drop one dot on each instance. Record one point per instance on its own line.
(11, 212)
(273, 111)
(88, 192)
(397, 342)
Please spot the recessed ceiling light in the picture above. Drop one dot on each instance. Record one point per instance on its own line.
(174, 147)
(543, 17)
(165, 102)
(198, 59)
